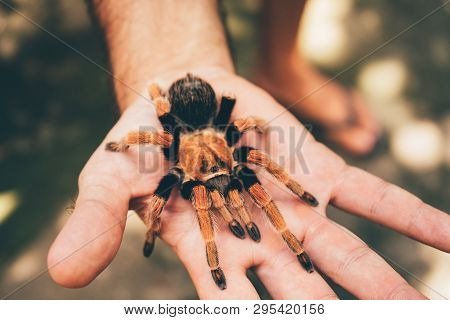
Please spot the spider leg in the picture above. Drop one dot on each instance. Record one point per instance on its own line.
(236, 129)
(235, 201)
(202, 204)
(264, 201)
(162, 138)
(227, 103)
(218, 203)
(167, 119)
(149, 208)
(162, 106)
(248, 154)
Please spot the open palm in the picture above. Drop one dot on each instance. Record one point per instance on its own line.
(93, 234)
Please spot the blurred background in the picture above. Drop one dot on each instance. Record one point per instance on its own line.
(55, 108)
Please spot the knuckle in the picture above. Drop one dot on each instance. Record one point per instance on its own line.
(412, 223)
(384, 189)
(328, 296)
(397, 291)
(315, 228)
(354, 257)
(100, 182)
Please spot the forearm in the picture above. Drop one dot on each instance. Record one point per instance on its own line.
(149, 38)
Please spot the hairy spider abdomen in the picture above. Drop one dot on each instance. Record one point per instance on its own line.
(193, 101)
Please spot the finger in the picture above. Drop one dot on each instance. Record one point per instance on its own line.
(91, 237)
(276, 265)
(238, 285)
(284, 278)
(232, 261)
(368, 196)
(364, 115)
(349, 262)
(357, 140)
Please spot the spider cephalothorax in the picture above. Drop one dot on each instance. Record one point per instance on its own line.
(209, 170)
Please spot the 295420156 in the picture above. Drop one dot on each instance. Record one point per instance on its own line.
(288, 308)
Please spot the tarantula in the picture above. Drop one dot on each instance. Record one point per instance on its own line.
(209, 169)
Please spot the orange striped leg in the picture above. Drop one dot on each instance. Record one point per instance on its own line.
(162, 106)
(257, 157)
(162, 138)
(219, 204)
(149, 210)
(264, 201)
(236, 129)
(202, 205)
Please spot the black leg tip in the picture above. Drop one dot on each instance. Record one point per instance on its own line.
(306, 262)
(112, 146)
(219, 278)
(237, 229)
(253, 232)
(309, 199)
(115, 147)
(148, 248)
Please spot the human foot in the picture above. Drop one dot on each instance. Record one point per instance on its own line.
(340, 116)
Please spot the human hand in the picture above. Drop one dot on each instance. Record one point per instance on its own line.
(92, 236)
